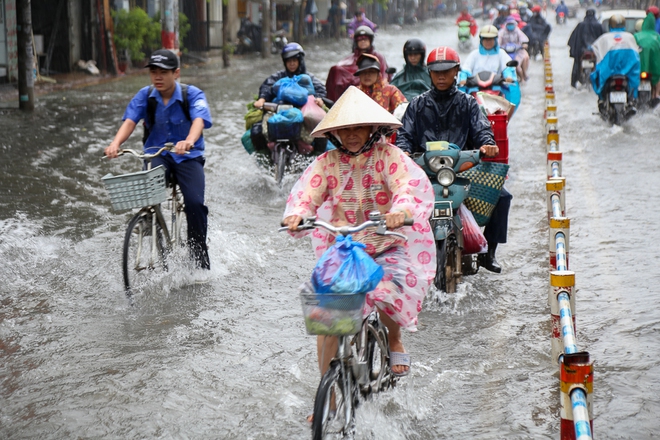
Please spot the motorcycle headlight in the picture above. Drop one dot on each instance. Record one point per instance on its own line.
(446, 176)
(437, 162)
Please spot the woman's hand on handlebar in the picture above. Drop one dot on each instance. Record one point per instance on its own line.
(259, 103)
(489, 150)
(395, 219)
(112, 151)
(292, 222)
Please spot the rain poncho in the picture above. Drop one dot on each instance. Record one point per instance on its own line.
(340, 76)
(412, 80)
(649, 41)
(451, 116)
(485, 60)
(583, 36)
(616, 53)
(386, 95)
(343, 189)
(537, 29)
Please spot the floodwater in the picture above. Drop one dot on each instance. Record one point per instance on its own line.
(231, 359)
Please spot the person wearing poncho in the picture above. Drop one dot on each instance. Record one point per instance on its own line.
(414, 79)
(362, 175)
(371, 82)
(649, 41)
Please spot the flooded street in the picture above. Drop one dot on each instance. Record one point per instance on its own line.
(231, 359)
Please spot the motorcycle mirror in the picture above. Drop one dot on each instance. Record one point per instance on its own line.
(512, 63)
(391, 70)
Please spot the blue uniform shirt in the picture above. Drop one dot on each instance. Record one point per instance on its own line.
(170, 122)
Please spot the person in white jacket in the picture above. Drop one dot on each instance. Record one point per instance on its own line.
(489, 57)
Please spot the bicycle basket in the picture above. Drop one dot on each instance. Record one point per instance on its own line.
(136, 190)
(337, 314)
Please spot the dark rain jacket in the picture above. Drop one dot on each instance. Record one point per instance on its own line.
(266, 89)
(583, 36)
(451, 116)
(649, 41)
(537, 29)
(412, 80)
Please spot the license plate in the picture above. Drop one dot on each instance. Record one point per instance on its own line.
(618, 97)
(587, 64)
(645, 86)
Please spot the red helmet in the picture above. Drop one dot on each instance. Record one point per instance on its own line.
(442, 58)
(536, 8)
(654, 10)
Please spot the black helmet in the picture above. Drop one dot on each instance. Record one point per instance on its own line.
(292, 50)
(617, 21)
(412, 46)
(364, 30)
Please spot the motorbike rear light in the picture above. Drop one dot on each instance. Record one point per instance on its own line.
(618, 82)
(644, 75)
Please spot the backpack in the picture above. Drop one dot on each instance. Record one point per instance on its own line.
(151, 110)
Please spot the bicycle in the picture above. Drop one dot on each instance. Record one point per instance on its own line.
(148, 240)
(361, 365)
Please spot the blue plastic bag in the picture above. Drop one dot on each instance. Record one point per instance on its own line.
(346, 268)
(288, 90)
(305, 81)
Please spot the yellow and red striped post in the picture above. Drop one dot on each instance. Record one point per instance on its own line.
(576, 383)
(560, 281)
(556, 202)
(554, 164)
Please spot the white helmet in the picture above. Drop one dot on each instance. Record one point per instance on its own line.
(488, 31)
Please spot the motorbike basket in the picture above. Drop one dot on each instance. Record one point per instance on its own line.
(486, 182)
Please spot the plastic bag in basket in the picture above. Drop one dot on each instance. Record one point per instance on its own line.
(288, 90)
(474, 241)
(346, 268)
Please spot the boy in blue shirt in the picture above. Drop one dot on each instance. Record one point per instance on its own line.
(170, 122)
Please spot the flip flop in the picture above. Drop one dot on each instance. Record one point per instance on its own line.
(397, 358)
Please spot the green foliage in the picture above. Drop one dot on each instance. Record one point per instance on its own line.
(134, 31)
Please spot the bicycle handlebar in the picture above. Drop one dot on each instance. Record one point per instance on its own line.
(169, 146)
(375, 220)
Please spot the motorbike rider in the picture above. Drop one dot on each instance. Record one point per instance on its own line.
(445, 113)
(581, 39)
(488, 57)
(502, 15)
(537, 29)
(367, 174)
(561, 8)
(371, 83)
(414, 79)
(656, 13)
(293, 57)
(465, 16)
(617, 53)
(511, 34)
(649, 41)
(341, 74)
(358, 21)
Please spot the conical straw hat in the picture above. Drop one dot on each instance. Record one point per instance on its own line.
(352, 108)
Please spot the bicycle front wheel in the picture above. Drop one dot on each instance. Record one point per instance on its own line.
(334, 412)
(144, 251)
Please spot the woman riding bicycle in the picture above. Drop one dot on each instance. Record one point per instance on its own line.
(362, 175)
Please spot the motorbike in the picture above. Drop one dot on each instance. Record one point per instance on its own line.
(561, 18)
(587, 65)
(249, 37)
(535, 48)
(464, 36)
(493, 84)
(442, 162)
(644, 92)
(613, 104)
(279, 40)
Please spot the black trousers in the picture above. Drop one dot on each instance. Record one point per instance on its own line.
(496, 228)
(575, 73)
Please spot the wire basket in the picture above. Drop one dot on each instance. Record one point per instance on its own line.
(136, 190)
(336, 314)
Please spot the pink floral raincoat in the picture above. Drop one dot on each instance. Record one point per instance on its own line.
(343, 189)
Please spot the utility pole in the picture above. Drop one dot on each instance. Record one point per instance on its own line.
(169, 34)
(265, 28)
(225, 34)
(25, 55)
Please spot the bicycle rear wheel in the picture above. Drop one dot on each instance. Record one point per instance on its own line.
(334, 412)
(141, 261)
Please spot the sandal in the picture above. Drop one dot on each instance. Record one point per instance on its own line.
(397, 358)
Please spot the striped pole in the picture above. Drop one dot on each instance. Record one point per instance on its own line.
(560, 282)
(549, 98)
(554, 164)
(559, 243)
(550, 112)
(552, 124)
(556, 201)
(552, 140)
(576, 376)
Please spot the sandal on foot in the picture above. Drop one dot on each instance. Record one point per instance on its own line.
(397, 358)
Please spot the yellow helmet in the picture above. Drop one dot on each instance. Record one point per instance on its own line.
(638, 24)
(489, 31)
